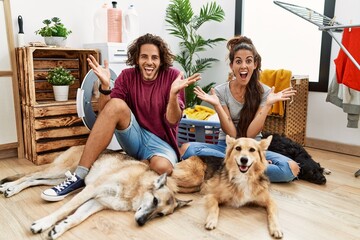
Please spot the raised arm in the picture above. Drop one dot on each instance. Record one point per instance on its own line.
(103, 73)
(173, 111)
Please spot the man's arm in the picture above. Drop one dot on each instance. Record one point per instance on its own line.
(103, 73)
(173, 111)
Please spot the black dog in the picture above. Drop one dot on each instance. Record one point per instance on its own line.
(309, 169)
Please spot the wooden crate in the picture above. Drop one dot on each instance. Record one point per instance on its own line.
(34, 64)
(293, 123)
(50, 127)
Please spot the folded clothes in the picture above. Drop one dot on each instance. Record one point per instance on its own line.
(199, 112)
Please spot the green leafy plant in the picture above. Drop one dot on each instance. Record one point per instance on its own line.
(184, 25)
(53, 28)
(60, 76)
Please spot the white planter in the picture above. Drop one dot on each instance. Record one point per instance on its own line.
(61, 93)
(55, 41)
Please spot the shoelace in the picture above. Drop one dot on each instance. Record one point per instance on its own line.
(70, 178)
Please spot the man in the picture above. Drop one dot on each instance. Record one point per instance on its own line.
(143, 109)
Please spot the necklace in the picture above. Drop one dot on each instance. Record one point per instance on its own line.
(237, 92)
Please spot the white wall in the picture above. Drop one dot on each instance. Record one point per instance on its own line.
(325, 121)
(283, 39)
(78, 16)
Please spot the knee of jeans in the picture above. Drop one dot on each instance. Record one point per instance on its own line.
(280, 173)
(189, 151)
(183, 148)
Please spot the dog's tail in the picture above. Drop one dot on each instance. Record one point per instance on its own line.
(189, 174)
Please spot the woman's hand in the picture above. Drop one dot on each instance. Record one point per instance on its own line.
(102, 73)
(212, 98)
(180, 83)
(283, 95)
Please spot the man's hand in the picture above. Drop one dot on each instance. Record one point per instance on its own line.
(102, 73)
(180, 83)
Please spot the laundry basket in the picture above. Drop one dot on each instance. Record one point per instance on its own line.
(293, 123)
(198, 131)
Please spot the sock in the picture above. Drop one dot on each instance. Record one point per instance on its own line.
(81, 171)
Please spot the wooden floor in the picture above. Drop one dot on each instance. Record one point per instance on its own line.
(306, 211)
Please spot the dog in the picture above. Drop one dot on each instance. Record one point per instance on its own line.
(310, 170)
(115, 181)
(237, 180)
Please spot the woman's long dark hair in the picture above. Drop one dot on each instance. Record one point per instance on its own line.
(133, 53)
(254, 90)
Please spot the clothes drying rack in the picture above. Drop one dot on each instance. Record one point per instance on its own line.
(324, 23)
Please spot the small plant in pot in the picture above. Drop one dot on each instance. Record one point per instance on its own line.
(60, 78)
(54, 32)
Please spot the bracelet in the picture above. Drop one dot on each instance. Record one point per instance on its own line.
(105, 92)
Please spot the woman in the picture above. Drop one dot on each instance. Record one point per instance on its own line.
(242, 105)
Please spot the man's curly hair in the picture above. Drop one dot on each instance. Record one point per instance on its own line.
(133, 53)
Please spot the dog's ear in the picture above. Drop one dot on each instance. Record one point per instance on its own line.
(229, 140)
(229, 145)
(265, 143)
(182, 203)
(160, 181)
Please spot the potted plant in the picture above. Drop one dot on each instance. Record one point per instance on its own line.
(184, 25)
(54, 32)
(60, 78)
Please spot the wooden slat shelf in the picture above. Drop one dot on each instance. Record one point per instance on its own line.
(49, 126)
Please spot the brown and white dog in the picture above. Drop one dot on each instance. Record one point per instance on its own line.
(115, 181)
(237, 180)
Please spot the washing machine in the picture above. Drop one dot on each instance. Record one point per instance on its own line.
(116, 55)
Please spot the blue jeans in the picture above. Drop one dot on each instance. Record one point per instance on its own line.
(142, 144)
(278, 171)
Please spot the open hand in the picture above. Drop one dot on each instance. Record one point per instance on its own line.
(103, 73)
(180, 83)
(283, 95)
(209, 98)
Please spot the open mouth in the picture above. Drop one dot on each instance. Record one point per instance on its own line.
(243, 74)
(244, 168)
(148, 70)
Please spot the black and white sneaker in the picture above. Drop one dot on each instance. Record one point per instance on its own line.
(72, 184)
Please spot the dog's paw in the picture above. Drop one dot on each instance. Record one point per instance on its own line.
(276, 233)
(55, 232)
(3, 187)
(41, 225)
(10, 191)
(327, 171)
(211, 224)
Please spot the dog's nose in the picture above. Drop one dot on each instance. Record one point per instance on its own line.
(243, 160)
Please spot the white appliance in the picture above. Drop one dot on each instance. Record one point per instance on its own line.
(116, 55)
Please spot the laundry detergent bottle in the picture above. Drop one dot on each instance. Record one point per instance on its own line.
(114, 20)
(101, 24)
(132, 25)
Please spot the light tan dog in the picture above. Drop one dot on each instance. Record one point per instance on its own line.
(237, 180)
(115, 181)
